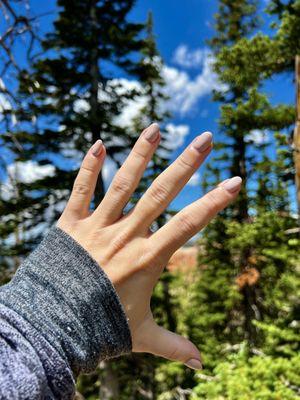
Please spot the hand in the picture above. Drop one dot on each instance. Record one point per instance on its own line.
(132, 256)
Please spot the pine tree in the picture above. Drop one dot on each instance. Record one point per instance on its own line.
(235, 283)
(70, 99)
(288, 42)
(133, 377)
(234, 21)
(18, 25)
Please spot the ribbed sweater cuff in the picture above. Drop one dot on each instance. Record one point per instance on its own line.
(64, 294)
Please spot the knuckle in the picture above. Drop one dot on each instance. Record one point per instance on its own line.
(146, 257)
(212, 201)
(174, 353)
(81, 189)
(121, 185)
(138, 154)
(184, 164)
(158, 192)
(119, 242)
(186, 223)
(151, 260)
(87, 169)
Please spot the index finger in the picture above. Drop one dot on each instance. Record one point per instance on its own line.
(85, 182)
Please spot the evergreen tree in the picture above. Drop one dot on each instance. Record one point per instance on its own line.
(134, 377)
(234, 290)
(241, 104)
(288, 42)
(18, 25)
(70, 99)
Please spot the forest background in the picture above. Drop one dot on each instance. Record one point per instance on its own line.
(75, 71)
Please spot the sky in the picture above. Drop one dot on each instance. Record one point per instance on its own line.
(182, 29)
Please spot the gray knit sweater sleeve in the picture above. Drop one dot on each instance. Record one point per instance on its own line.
(59, 316)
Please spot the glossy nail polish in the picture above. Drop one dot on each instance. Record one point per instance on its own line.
(233, 184)
(97, 147)
(194, 363)
(202, 142)
(151, 133)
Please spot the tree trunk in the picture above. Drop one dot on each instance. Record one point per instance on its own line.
(250, 309)
(109, 389)
(239, 168)
(297, 135)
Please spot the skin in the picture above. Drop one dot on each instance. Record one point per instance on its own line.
(130, 254)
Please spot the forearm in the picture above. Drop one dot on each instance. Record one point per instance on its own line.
(30, 368)
(66, 299)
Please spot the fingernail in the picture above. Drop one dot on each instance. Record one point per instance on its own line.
(194, 363)
(222, 183)
(151, 133)
(233, 184)
(97, 147)
(202, 142)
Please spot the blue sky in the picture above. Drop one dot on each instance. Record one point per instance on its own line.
(190, 24)
(182, 29)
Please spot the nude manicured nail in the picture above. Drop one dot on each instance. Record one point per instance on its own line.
(97, 147)
(151, 133)
(233, 184)
(222, 183)
(194, 363)
(202, 142)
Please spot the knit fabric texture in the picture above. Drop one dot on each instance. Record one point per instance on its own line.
(62, 298)
(30, 368)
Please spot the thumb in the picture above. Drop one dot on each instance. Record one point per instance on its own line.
(171, 346)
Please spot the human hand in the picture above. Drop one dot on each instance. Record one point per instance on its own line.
(130, 254)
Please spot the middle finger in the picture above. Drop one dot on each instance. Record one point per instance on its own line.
(168, 184)
(128, 177)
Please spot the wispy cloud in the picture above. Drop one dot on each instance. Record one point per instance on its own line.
(187, 58)
(194, 180)
(24, 172)
(176, 135)
(29, 171)
(185, 91)
(258, 136)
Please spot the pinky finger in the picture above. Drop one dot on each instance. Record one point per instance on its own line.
(85, 182)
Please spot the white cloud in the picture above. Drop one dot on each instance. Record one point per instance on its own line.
(258, 136)
(123, 85)
(2, 85)
(184, 91)
(5, 105)
(29, 171)
(176, 135)
(131, 111)
(186, 58)
(132, 107)
(109, 170)
(195, 180)
(25, 172)
(81, 106)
